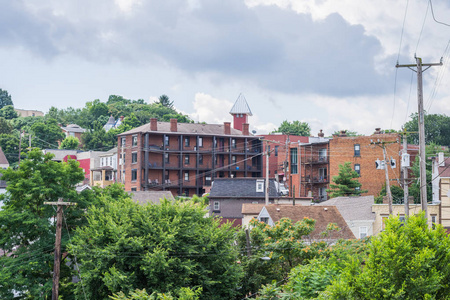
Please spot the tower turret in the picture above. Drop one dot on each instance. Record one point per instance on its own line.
(240, 112)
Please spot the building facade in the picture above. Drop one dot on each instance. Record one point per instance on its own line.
(185, 158)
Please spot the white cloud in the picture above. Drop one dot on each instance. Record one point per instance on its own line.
(211, 110)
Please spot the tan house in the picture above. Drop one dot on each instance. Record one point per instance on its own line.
(28, 112)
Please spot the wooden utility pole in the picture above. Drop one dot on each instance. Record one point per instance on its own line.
(57, 263)
(423, 176)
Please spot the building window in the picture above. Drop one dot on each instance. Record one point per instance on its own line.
(134, 143)
(186, 192)
(123, 158)
(166, 140)
(134, 175)
(358, 169)
(186, 176)
(433, 222)
(362, 232)
(134, 157)
(265, 220)
(186, 159)
(200, 159)
(200, 142)
(123, 142)
(233, 159)
(294, 161)
(357, 150)
(216, 205)
(276, 150)
(233, 143)
(259, 186)
(187, 141)
(323, 154)
(166, 158)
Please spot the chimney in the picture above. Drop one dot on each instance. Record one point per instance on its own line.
(154, 124)
(321, 134)
(227, 128)
(173, 125)
(343, 133)
(245, 129)
(377, 131)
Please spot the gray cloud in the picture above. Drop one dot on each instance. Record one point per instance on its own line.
(274, 48)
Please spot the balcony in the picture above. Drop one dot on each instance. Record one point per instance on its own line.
(316, 179)
(315, 160)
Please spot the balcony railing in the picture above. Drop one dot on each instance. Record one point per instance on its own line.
(315, 179)
(316, 160)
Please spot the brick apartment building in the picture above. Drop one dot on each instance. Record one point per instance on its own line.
(362, 154)
(184, 158)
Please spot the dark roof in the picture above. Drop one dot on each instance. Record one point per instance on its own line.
(322, 214)
(240, 188)
(186, 128)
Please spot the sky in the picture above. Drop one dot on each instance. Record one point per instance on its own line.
(325, 62)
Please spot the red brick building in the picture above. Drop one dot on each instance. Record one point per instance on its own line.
(184, 158)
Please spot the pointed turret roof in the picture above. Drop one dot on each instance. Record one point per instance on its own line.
(241, 106)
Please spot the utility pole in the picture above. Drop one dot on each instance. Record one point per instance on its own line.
(267, 173)
(423, 177)
(57, 263)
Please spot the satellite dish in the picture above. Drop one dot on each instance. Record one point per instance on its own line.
(253, 131)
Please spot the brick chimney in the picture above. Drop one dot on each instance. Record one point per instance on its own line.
(320, 134)
(245, 129)
(154, 124)
(227, 128)
(377, 131)
(173, 125)
(343, 133)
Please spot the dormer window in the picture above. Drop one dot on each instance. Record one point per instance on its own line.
(260, 186)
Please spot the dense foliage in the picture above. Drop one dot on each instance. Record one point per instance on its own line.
(437, 129)
(344, 183)
(294, 128)
(162, 248)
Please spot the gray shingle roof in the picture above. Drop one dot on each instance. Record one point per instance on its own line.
(240, 188)
(241, 106)
(353, 208)
(145, 197)
(73, 128)
(186, 128)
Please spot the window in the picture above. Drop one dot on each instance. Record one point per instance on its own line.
(200, 142)
(123, 142)
(123, 158)
(433, 222)
(233, 143)
(265, 220)
(200, 159)
(186, 176)
(186, 159)
(166, 140)
(357, 150)
(362, 232)
(233, 159)
(134, 175)
(166, 158)
(294, 161)
(216, 205)
(276, 150)
(358, 169)
(323, 154)
(260, 186)
(134, 157)
(135, 141)
(187, 141)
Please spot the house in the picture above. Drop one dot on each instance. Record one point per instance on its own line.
(113, 123)
(28, 112)
(362, 154)
(106, 173)
(89, 160)
(323, 215)
(357, 213)
(73, 130)
(62, 154)
(185, 158)
(440, 174)
(229, 194)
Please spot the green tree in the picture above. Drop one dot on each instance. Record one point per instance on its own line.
(27, 231)
(5, 99)
(8, 112)
(48, 133)
(408, 260)
(161, 248)
(98, 139)
(70, 143)
(397, 194)
(294, 128)
(10, 146)
(437, 129)
(347, 132)
(344, 183)
(5, 126)
(164, 101)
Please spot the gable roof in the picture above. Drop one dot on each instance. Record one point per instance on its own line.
(186, 128)
(352, 208)
(3, 159)
(241, 188)
(241, 106)
(322, 214)
(252, 208)
(73, 128)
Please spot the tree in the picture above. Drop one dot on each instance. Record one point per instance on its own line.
(5, 99)
(408, 260)
(70, 143)
(48, 133)
(294, 128)
(27, 231)
(344, 183)
(10, 146)
(347, 132)
(164, 101)
(162, 248)
(397, 194)
(8, 112)
(5, 126)
(437, 129)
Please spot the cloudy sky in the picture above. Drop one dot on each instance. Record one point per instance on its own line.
(326, 62)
